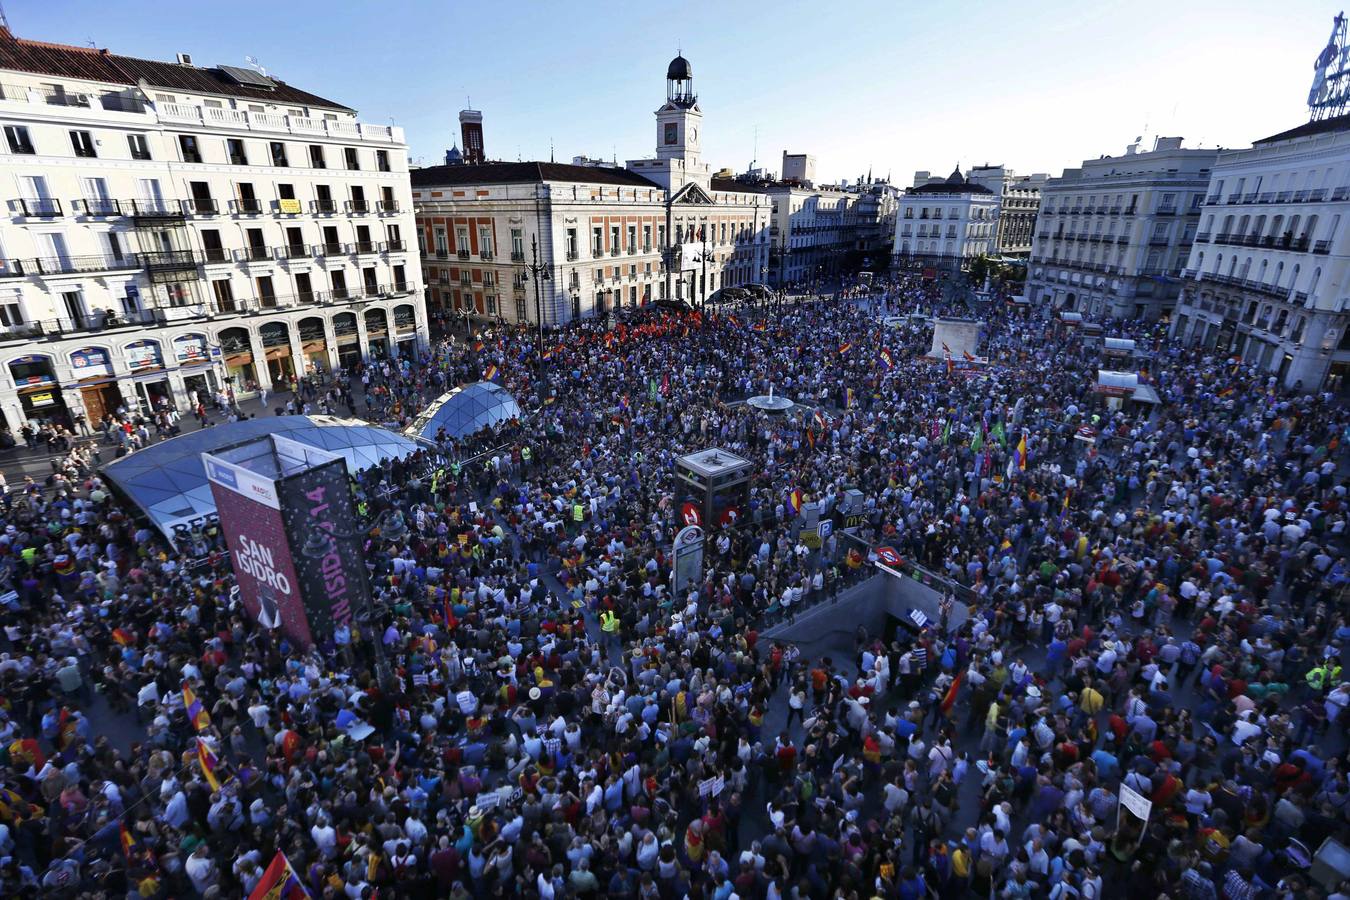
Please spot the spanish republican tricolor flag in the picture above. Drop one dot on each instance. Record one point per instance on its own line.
(490, 373)
(1020, 452)
(122, 637)
(844, 348)
(209, 764)
(887, 361)
(477, 346)
(279, 882)
(130, 846)
(196, 713)
(794, 499)
(848, 398)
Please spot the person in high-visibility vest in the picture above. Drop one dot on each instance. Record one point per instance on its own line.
(609, 625)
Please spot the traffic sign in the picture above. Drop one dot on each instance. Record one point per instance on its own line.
(825, 528)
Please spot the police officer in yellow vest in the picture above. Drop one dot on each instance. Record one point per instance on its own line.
(609, 625)
(578, 515)
(1322, 676)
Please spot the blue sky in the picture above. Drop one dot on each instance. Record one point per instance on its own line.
(895, 85)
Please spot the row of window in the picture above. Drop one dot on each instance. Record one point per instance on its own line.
(37, 200)
(20, 141)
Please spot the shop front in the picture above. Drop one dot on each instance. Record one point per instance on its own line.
(276, 341)
(193, 356)
(405, 330)
(377, 334)
(99, 392)
(314, 347)
(348, 340)
(40, 399)
(145, 359)
(240, 372)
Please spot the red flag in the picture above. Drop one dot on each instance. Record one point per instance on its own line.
(950, 700)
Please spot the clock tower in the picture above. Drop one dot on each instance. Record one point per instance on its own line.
(679, 120)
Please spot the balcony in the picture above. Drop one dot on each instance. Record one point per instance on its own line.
(1249, 197)
(573, 256)
(43, 208)
(331, 248)
(461, 254)
(387, 206)
(154, 210)
(203, 206)
(291, 251)
(485, 254)
(1322, 247)
(302, 126)
(517, 256)
(358, 207)
(1202, 237)
(1267, 197)
(324, 207)
(395, 246)
(216, 255)
(254, 253)
(1115, 210)
(1212, 199)
(363, 247)
(1166, 211)
(66, 265)
(248, 207)
(97, 209)
(169, 260)
(1300, 196)
(614, 251)
(1341, 193)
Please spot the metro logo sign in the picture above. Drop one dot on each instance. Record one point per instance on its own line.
(888, 556)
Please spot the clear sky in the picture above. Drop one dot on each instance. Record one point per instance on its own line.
(895, 86)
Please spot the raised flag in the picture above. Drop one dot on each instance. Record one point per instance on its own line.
(818, 417)
(848, 398)
(122, 637)
(845, 347)
(1020, 452)
(665, 383)
(130, 846)
(196, 713)
(947, 433)
(1064, 507)
(811, 437)
(887, 361)
(209, 764)
(945, 349)
(794, 499)
(760, 326)
(477, 346)
(997, 434)
(490, 373)
(969, 358)
(977, 440)
(279, 882)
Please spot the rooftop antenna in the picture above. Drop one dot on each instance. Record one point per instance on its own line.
(4, 19)
(755, 156)
(550, 148)
(253, 62)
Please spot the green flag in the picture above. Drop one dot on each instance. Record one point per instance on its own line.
(651, 389)
(997, 434)
(947, 432)
(977, 441)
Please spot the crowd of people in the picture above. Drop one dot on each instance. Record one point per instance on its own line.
(1157, 613)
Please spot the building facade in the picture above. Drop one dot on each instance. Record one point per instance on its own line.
(814, 232)
(1019, 200)
(1268, 276)
(1113, 236)
(605, 237)
(944, 224)
(178, 230)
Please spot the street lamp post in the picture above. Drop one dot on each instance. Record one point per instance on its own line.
(539, 272)
(703, 258)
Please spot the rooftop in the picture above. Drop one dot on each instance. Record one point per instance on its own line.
(1325, 126)
(526, 173)
(42, 58)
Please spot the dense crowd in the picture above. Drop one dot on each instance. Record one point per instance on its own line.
(1160, 612)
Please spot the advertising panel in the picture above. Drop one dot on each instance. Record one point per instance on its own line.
(250, 517)
(320, 517)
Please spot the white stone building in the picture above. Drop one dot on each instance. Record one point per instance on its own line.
(814, 231)
(1112, 236)
(607, 237)
(1268, 279)
(177, 229)
(944, 224)
(1019, 200)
